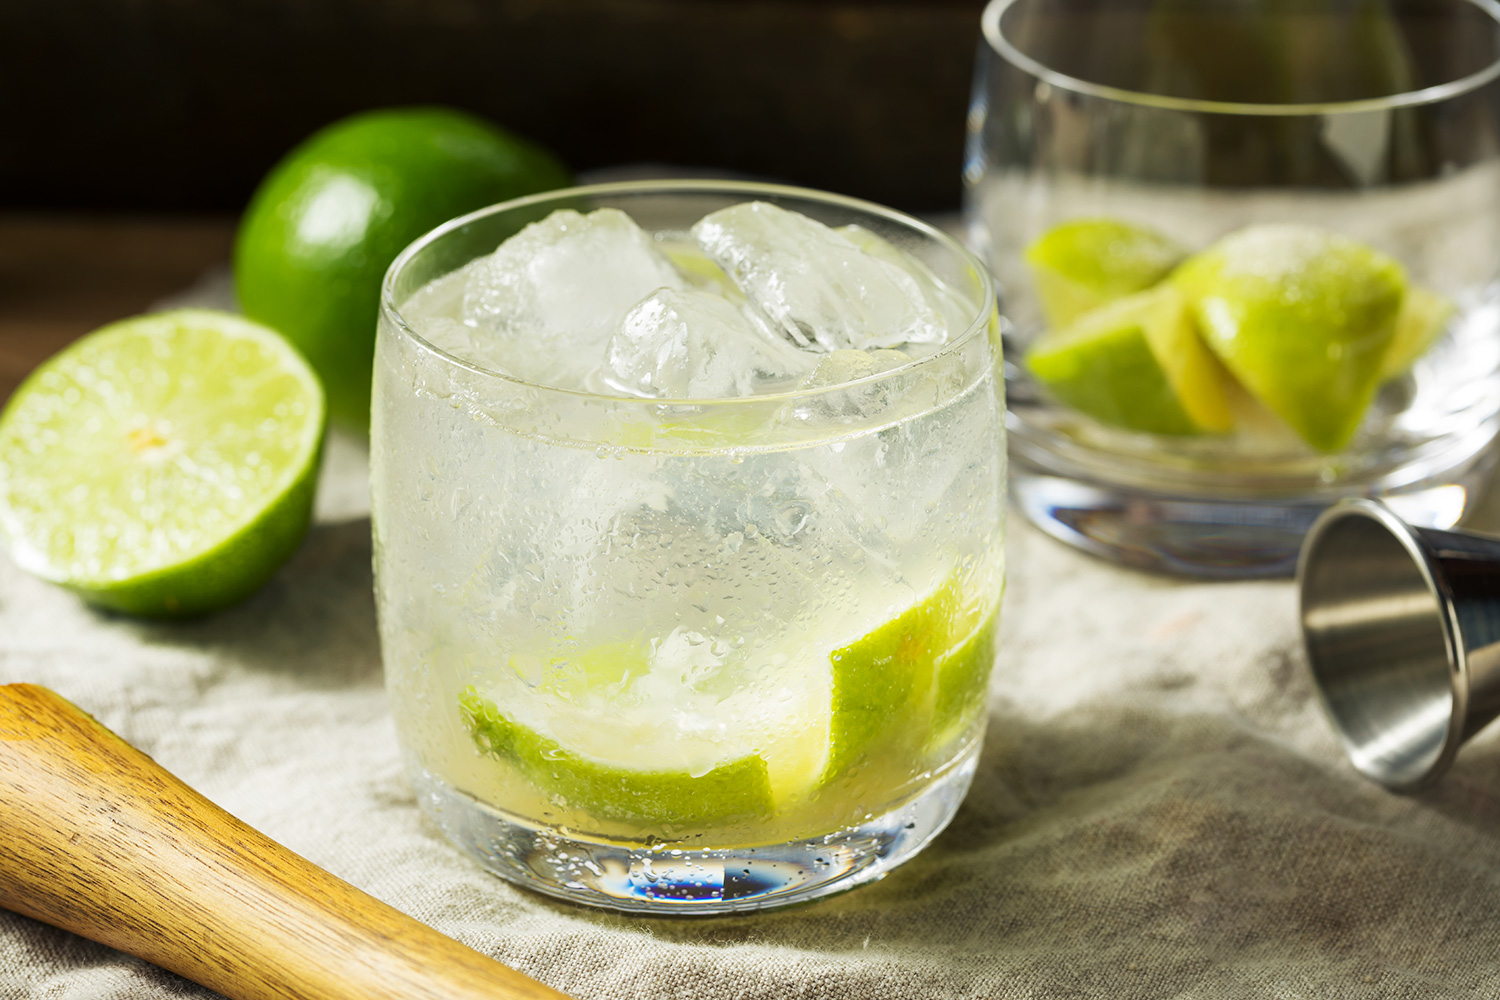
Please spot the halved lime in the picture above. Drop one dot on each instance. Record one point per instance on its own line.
(164, 465)
(1302, 317)
(1082, 264)
(1136, 363)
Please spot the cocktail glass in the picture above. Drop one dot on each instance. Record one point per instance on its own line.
(694, 655)
(1375, 121)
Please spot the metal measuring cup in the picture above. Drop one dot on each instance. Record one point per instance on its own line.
(1402, 631)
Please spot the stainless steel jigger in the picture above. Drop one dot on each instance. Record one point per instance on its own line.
(1402, 629)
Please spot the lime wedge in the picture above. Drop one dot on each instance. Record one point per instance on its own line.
(885, 697)
(1082, 264)
(736, 789)
(164, 465)
(963, 677)
(1136, 363)
(910, 682)
(1423, 318)
(883, 685)
(1302, 317)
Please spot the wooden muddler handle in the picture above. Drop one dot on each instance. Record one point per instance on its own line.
(96, 838)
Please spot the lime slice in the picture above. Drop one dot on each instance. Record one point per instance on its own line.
(1136, 363)
(599, 731)
(702, 272)
(1082, 264)
(1423, 318)
(737, 789)
(164, 465)
(1303, 318)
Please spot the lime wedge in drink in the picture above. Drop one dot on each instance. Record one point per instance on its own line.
(736, 789)
(963, 676)
(1423, 318)
(596, 731)
(883, 698)
(1303, 318)
(1082, 264)
(910, 683)
(883, 685)
(164, 465)
(1136, 363)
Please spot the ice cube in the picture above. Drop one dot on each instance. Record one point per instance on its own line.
(693, 344)
(458, 339)
(956, 315)
(549, 298)
(853, 402)
(820, 290)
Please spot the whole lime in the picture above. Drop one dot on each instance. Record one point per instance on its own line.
(329, 218)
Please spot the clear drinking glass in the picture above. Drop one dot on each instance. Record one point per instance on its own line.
(688, 656)
(1376, 120)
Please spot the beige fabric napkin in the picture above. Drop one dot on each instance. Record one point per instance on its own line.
(1159, 812)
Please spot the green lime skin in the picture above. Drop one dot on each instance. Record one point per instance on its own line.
(163, 466)
(1104, 365)
(329, 218)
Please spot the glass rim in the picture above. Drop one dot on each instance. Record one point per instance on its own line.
(990, 23)
(977, 325)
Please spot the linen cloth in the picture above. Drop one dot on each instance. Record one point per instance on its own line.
(1160, 810)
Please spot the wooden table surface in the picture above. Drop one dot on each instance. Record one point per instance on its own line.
(64, 275)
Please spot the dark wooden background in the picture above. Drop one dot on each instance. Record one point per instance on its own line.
(181, 105)
(133, 131)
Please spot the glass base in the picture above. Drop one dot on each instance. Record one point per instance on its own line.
(668, 880)
(1207, 537)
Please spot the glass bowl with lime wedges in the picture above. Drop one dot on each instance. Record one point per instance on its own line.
(1247, 255)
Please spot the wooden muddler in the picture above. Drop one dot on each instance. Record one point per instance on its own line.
(96, 838)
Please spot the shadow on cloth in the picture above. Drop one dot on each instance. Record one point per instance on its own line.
(315, 619)
(1123, 834)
